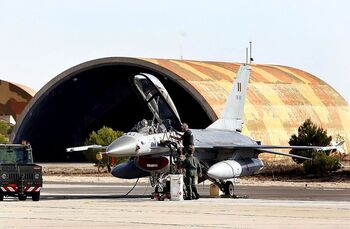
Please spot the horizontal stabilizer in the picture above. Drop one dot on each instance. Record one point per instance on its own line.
(339, 147)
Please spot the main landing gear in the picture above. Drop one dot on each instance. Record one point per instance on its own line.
(227, 187)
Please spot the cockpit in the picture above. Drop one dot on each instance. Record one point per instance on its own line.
(151, 127)
(154, 94)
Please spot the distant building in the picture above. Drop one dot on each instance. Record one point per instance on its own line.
(100, 92)
(13, 99)
(8, 119)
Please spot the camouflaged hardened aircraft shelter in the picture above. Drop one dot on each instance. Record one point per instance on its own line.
(99, 92)
(13, 98)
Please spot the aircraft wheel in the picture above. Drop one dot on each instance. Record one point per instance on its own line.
(229, 189)
(161, 198)
(22, 197)
(36, 196)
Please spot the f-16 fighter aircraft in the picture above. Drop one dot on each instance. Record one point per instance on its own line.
(224, 152)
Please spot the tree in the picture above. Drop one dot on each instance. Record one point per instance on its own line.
(104, 137)
(309, 134)
(5, 130)
(3, 139)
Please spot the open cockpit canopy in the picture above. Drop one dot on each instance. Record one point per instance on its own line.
(157, 99)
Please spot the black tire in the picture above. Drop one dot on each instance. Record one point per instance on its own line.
(229, 189)
(22, 197)
(1, 197)
(36, 196)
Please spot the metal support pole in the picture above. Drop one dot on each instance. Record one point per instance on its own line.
(250, 54)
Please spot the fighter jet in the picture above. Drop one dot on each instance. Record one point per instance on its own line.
(224, 152)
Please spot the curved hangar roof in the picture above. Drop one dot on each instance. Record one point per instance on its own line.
(13, 98)
(99, 92)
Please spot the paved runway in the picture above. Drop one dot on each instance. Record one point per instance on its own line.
(103, 205)
(143, 213)
(109, 190)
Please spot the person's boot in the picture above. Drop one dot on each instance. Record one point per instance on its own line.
(194, 196)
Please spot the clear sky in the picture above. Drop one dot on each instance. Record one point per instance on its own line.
(40, 39)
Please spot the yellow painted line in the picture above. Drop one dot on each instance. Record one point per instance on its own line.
(222, 70)
(270, 93)
(249, 111)
(265, 74)
(206, 91)
(322, 113)
(293, 73)
(191, 69)
(315, 102)
(308, 93)
(227, 86)
(154, 61)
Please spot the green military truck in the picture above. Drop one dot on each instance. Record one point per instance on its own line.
(19, 176)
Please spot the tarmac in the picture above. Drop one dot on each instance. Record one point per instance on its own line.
(73, 201)
(147, 213)
(104, 205)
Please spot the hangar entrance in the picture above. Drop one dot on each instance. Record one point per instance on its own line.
(81, 102)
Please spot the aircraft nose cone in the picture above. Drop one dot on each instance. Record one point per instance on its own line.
(122, 146)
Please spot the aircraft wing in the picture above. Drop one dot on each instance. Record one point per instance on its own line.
(267, 149)
(83, 148)
(283, 154)
(260, 147)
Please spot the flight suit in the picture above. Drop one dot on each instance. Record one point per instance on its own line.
(187, 142)
(192, 167)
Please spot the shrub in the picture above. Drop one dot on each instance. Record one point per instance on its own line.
(309, 134)
(322, 164)
(104, 137)
(3, 139)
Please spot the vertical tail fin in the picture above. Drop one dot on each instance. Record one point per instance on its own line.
(232, 115)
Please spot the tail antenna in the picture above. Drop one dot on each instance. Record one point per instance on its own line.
(250, 53)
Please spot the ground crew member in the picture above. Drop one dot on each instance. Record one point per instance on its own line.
(192, 167)
(187, 139)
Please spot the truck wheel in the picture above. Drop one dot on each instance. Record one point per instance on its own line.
(22, 197)
(36, 196)
(1, 197)
(229, 189)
